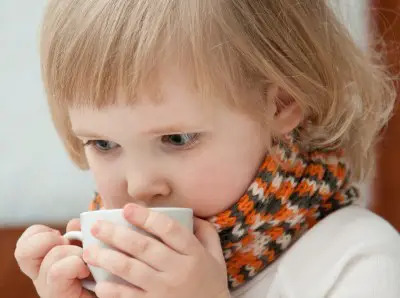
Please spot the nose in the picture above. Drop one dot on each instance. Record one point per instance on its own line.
(145, 184)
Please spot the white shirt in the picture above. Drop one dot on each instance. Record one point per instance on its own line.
(351, 253)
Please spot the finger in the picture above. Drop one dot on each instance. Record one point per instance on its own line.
(32, 230)
(173, 234)
(208, 237)
(64, 276)
(108, 289)
(68, 268)
(31, 251)
(54, 255)
(146, 249)
(74, 225)
(132, 270)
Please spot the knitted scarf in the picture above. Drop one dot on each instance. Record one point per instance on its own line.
(291, 192)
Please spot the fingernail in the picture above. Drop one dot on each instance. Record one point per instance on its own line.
(129, 210)
(96, 228)
(86, 255)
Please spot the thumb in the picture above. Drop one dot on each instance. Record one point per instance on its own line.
(74, 225)
(209, 238)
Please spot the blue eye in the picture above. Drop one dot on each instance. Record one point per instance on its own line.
(180, 140)
(102, 145)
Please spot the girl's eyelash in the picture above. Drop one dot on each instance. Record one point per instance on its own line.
(183, 141)
(89, 143)
(95, 145)
(169, 140)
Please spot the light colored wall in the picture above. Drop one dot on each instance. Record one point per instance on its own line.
(354, 14)
(37, 181)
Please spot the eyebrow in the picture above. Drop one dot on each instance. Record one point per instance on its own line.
(88, 134)
(171, 129)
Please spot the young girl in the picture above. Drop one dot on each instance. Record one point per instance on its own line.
(259, 115)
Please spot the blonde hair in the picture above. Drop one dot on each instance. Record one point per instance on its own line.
(91, 50)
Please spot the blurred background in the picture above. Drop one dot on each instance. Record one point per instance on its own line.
(38, 183)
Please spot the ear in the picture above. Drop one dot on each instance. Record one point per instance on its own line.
(288, 114)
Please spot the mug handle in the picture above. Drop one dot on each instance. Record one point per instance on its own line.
(77, 235)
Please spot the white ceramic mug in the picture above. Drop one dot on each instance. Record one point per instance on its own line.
(182, 215)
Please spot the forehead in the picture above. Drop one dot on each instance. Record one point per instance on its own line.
(171, 88)
(174, 103)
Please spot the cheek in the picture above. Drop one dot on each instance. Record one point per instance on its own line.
(108, 181)
(108, 187)
(216, 180)
(212, 189)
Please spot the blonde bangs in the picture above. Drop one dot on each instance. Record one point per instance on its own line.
(92, 51)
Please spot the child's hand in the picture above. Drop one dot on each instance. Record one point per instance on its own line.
(185, 266)
(54, 266)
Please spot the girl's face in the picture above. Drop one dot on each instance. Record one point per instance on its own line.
(177, 152)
